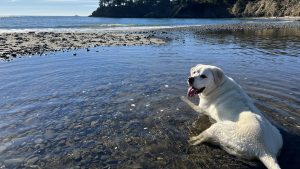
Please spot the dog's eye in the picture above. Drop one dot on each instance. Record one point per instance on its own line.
(194, 72)
(203, 76)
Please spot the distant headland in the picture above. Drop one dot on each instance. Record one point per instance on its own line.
(196, 8)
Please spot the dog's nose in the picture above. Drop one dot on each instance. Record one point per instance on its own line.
(191, 81)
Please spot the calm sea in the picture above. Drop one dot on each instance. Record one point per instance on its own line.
(119, 107)
(90, 24)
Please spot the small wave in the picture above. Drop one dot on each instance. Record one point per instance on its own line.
(92, 29)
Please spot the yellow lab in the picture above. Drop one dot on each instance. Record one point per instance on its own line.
(240, 128)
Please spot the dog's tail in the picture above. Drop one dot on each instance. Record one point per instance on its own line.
(269, 161)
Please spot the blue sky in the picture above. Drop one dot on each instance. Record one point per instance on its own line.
(47, 7)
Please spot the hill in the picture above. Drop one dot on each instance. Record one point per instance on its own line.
(196, 8)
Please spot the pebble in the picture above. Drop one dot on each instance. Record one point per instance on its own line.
(104, 157)
(112, 162)
(32, 160)
(49, 134)
(159, 158)
(76, 138)
(38, 141)
(4, 147)
(76, 155)
(93, 123)
(13, 162)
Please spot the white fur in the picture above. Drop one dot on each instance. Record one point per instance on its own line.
(240, 128)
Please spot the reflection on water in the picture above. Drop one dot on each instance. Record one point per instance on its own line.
(119, 106)
(271, 42)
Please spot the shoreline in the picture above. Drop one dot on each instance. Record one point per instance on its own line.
(289, 18)
(239, 27)
(14, 45)
(21, 44)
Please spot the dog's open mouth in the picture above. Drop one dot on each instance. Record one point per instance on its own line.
(193, 91)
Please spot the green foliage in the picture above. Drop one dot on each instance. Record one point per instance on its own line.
(183, 8)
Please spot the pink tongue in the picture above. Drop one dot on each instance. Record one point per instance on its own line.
(191, 92)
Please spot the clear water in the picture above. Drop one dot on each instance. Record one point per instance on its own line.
(119, 107)
(69, 23)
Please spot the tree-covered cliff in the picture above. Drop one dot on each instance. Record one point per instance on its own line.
(197, 8)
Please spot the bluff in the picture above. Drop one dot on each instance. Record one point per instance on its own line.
(196, 8)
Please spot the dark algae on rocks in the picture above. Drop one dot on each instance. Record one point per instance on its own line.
(196, 8)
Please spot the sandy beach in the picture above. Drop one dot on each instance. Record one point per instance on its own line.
(21, 44)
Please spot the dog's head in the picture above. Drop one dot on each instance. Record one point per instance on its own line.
(204, 79)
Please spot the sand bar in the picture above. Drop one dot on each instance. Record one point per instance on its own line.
(20, 44)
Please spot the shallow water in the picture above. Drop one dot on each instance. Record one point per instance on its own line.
(92, 24)
(119, 106)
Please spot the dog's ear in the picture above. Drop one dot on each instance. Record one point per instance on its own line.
(218, 75)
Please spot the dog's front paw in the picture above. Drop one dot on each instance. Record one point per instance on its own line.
(192, 140)
(184, 99)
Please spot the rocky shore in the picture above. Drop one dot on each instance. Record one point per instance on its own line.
(283, 24)
(19, 44)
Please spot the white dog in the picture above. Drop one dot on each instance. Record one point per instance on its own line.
(240, 128)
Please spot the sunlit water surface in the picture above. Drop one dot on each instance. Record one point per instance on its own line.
(92, 24)
(119, 107)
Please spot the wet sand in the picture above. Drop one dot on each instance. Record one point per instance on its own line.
(19, 44)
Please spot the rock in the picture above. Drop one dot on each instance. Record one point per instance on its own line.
(136, 166)
(76, 155)
(76, 138)
(32, 160)
(13, 162)
(159, 158)
(93, 123)
(112, 162)
(104, 157)
(49, 134)
(4, 147)
(38, 141)
(62, 142)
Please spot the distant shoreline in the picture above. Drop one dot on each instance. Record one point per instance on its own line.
(240, 27)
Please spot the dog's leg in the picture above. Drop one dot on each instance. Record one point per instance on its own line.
(192, 105)
(198, 139)
(202, 137)
(269, 161)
